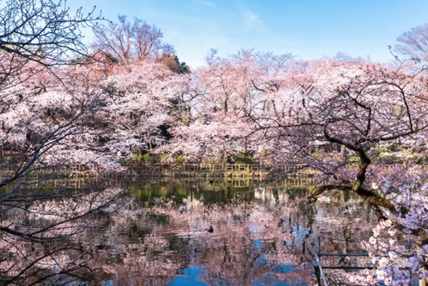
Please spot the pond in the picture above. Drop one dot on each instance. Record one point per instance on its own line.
(190, 232)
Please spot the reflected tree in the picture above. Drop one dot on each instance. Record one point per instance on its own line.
(264, 239)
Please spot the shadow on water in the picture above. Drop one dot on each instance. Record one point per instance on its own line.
(188, 233)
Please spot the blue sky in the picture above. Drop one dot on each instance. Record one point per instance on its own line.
(308, 29)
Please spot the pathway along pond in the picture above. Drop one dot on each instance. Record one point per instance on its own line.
(183, 233)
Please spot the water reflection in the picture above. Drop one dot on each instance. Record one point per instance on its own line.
(215, 233)
(38, 237)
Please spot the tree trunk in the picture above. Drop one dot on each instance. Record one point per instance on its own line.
(362, 169)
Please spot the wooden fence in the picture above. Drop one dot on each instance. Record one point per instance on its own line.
(243, 169)
(320, 268)
(170, 170)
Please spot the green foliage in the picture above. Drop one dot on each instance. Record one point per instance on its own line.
(148, 158)
(394, 147)
(391, 158)
(242, 159)
(352, 160)
(145, 158)
(172, 62)
(390, 153)
(162, 158)
(181, 158)
(375, 153)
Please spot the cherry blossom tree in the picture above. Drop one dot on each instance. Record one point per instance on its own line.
(42, 31)
(45, 118)
(140, 103)
(413, 44)
(221, 103)
(128, 42)
(328, 104)
(38, 40)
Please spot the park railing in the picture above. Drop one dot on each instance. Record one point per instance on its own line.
(170, 170)
(348, 262)
(217, 170)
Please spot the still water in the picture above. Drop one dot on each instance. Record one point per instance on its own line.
(186, 233)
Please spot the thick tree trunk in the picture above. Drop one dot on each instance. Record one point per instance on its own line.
(362, 170)
(357, 187)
